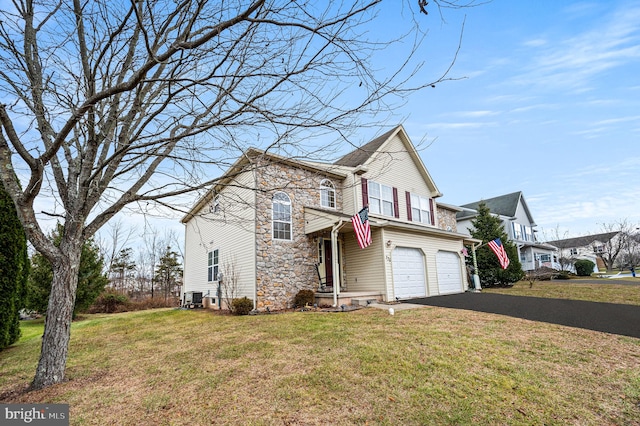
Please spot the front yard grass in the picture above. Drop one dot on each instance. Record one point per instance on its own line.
(424, 366)
(606, 291)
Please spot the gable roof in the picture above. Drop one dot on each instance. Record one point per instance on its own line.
(583, 241)
(249, 157)
(364, 154)
(503, 205)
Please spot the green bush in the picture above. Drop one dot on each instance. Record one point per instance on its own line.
(242, 306)
(562, 275)
(584, 267)
(304, 298)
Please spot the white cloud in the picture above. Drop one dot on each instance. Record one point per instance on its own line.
(571, 63)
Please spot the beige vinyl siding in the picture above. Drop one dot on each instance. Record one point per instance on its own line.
(395, 167)
(231, 231)
(351, 195)
(315, 221)
(365, 269)
(430, 246)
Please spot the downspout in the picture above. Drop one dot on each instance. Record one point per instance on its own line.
(254, 173)
(334, 260)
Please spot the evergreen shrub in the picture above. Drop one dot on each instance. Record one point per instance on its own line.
(304, 298)
(584, 267)
(242, 306)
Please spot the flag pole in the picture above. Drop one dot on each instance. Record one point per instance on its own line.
(476, 278)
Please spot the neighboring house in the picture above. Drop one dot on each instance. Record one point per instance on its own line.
(519, 225)
(273, 226)
(589, 247)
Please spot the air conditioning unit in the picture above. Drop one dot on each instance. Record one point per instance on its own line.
(192, 299)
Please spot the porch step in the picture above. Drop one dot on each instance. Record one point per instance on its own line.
(348, 298)
(363, 301)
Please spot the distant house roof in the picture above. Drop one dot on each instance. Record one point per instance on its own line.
(583, 241)
(361, 154)
(503, 205)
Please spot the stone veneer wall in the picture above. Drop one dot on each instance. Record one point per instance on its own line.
(285, 267)
(447, 218)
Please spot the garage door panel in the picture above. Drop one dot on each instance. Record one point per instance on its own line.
(448, 270)
(408, 273)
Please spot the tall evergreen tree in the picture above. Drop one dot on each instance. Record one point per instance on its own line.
(91, 279)
(14, 267)
(168, 271)
(487, 227)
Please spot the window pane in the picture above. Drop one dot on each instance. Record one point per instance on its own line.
(415, 214)
(374, 190)
(387, 208)
(324, 198)
(281, 196)
(281, 231)
(327, 197)
(424, 203)
(387, 193)
(374, 206)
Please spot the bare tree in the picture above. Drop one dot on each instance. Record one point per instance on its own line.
(620, 233)
(630, 256)
(114, 104)
(565, 259)
(229, 284)
(119, 237)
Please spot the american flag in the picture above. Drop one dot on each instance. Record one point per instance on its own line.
(361, 227)
(497, 247)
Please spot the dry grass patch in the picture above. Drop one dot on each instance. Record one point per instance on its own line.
(605, 292)
(424, 366)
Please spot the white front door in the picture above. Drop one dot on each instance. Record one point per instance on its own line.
(408, 273)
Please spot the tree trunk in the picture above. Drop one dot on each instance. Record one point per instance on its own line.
(57, 328)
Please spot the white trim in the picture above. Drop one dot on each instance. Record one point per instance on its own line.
(327, 186)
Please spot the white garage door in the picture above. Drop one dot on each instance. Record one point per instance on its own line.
(449, 275)
(408, 273)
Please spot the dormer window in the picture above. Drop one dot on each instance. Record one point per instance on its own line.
(327, 194)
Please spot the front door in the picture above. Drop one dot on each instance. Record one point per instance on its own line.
(328, 263)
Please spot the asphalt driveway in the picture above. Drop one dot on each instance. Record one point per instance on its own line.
(607, 317)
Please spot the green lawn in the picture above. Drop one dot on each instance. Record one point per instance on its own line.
(423, 366)
(606, 291)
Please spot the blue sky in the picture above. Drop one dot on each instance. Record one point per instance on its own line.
(549, 105)
(546, 101)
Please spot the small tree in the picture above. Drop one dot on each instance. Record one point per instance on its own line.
(122, 266)
(229, 284)
(14, 267)
(91, 279)
(487, 227)
(168, 271)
